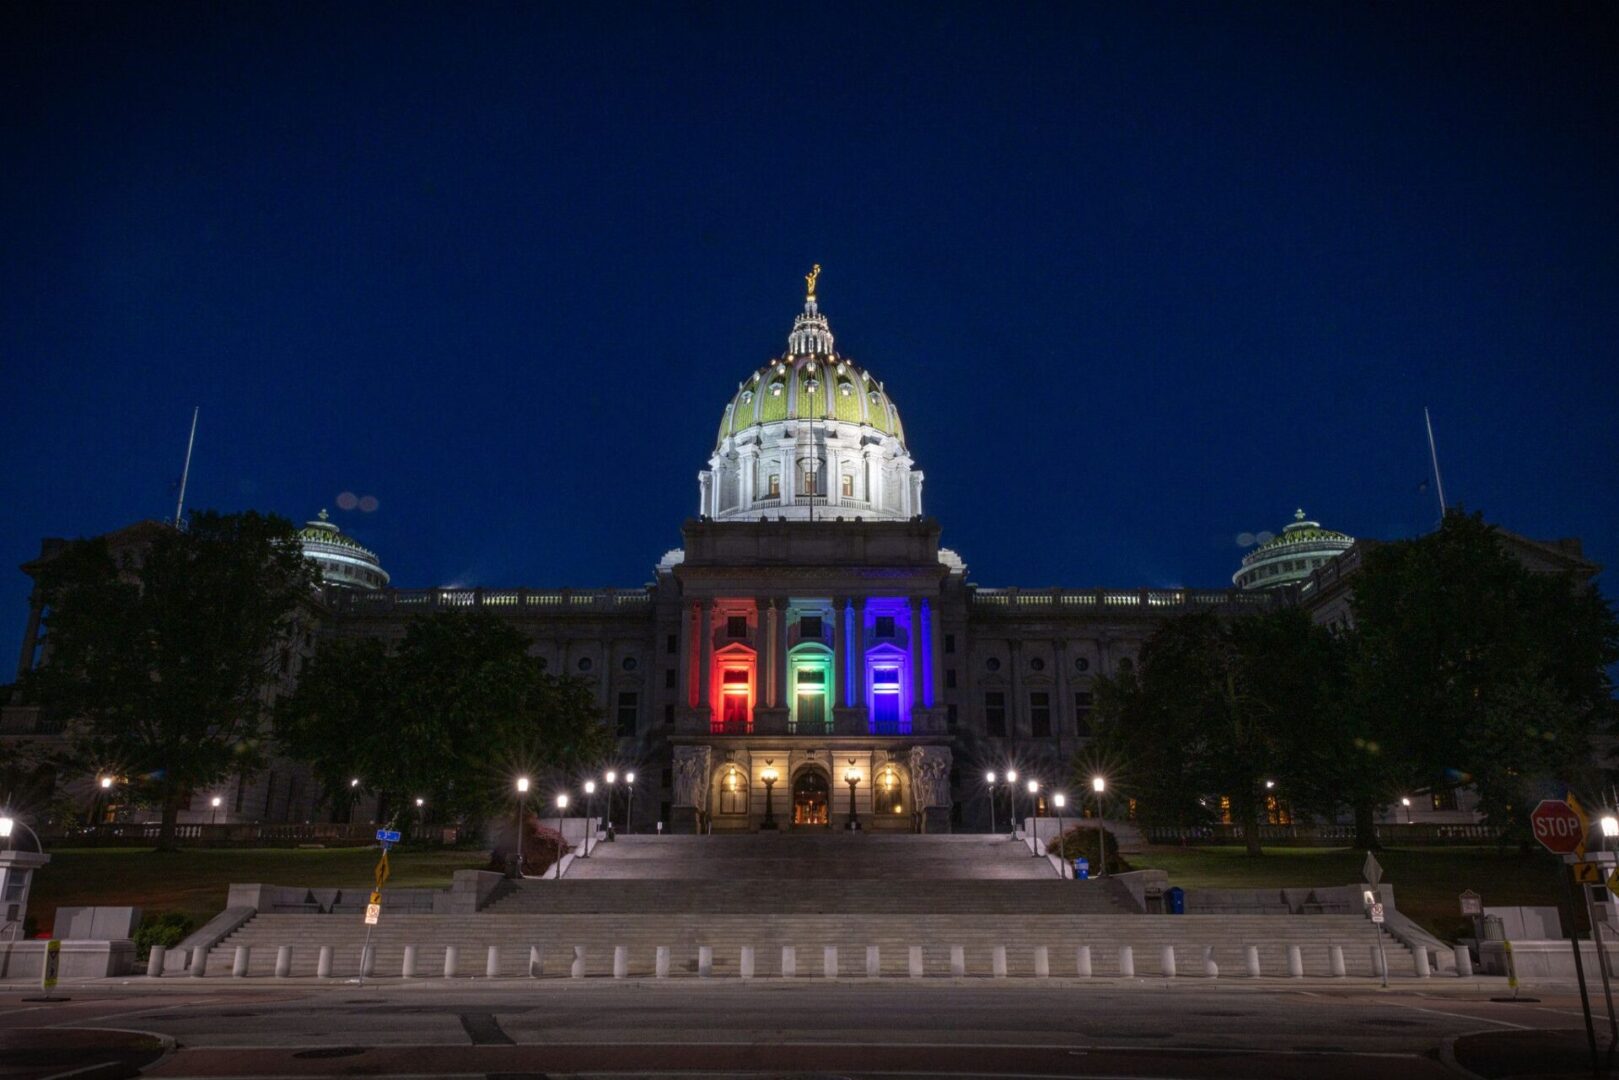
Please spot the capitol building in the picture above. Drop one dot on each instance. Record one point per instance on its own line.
(811, 641)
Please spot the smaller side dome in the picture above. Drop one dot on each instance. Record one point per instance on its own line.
(1302, 547)
(342, 560)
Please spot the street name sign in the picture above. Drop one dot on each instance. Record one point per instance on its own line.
(1472, 903)
(388, 836)
(1557, 826)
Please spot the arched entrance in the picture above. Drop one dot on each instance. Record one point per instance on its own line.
(811, 798)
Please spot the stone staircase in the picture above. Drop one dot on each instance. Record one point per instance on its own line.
(808, 891)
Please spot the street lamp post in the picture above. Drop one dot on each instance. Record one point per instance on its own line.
(768, 776)
(522, 798)
(590, 813)
(1034, 818)
(354, 797)
(611, 778)
(213, 815)
(99, 809)
(1098, 785)
(1011, 799)
(1405, 801)
(852, 778)
(989, 780)
(629, 801)
(1060, 800)
(562, 805)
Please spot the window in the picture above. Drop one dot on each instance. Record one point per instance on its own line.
(848, 486)
(992, 664)
(809, 484)
(888, 793)
(1037, 664)
(1081, 664)
(811, 699)
(1040, 714)
(883, 626)
(671, 644)
(734, 701)
(669, 715)
(668, 678)
(950, 643)
(1444, 799)
(885, 717)
(995, 713)
(736, 626)
(629, 663)
(775, 485)
(949, 678)
(809, 628)
(1082, 713)
(628, 712)
(733, 793)
(584, 663)
(950, 721)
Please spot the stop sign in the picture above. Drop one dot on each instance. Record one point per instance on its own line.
(1557, 826)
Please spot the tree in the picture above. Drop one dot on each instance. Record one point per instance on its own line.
(452, 716)
(1220, 707)
(160, 660)
(1464, 663)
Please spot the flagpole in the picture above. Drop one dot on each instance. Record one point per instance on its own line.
(185, 473)
(1433, 454)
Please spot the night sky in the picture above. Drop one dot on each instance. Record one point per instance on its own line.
(1140, 278)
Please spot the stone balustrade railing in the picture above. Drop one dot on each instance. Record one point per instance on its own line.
(497, 601)
(1153, 601)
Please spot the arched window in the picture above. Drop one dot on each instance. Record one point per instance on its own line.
(888, 792)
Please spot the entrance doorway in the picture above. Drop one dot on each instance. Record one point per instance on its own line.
(811, 798)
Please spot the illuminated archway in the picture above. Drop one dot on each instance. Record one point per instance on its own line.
(812, 797)
(888, 690)
(734, 682)
(812, 689)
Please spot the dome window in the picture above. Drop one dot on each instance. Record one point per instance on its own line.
(876, 398)
(747, 397)
(776, 388)
(845, 387)
(812, 386)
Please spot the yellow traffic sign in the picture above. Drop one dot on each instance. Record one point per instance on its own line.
(1585, 825)
(1613, 883)
(1587, 873)
(382, 870)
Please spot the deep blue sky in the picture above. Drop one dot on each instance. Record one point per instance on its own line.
(1140, 278)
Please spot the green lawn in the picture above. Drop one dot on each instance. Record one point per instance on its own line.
(195, 880)
(1426, 881)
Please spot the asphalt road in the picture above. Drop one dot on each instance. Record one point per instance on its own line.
(519, 1029)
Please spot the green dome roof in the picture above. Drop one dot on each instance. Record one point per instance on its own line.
(1298, 551)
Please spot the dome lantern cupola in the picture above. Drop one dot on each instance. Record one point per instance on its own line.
(810, 435)
(1291, 557)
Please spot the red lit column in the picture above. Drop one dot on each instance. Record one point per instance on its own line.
(705, 663)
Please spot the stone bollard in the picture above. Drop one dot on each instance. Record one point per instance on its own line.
(1419, 961)
(916, 961)
(1166, 961)
(1464, 962)
(283, 961)
(536, 962)
(1377, 961)
(238, 966)
(491, 964)
(789, 961)
(407, 969)
(1042, 962)
(621, 961)
(660, 966)
(578, 969)
(745, 964)
(829, 961)
(323, 963)
(154, 961)
(1082, 961)
(1127, 961)
(1335, 960)
(997, 962)
(368, 960)
(199, 962)
(1211, 970)
(705, 961)
(452, 960)
(1295, 962)
(873, 961)
(1251, 954)
(958, 961)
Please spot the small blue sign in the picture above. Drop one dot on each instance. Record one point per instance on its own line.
(1082, 869)
(388, 836)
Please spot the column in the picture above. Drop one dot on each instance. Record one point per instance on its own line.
(705, 484)
(1063, 712)
(746, 479)
(916, 654)
(840, 651)
(705, 654)
(789, 474)
(683, 659)
(935, 655)
(858, 690)
(778, 656)
(1017, 725)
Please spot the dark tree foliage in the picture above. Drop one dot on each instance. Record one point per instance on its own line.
(1464, 664)
(451, 716)
(160, 664)
(1219, 707)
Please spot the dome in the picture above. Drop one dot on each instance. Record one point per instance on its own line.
(810, 433)
(1282, 560)
(341, 559)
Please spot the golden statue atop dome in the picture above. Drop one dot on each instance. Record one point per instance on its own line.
(809, 282)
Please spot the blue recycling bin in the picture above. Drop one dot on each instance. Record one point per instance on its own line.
(1175, 901)
(1082, 869)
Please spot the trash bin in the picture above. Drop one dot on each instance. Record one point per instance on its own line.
(1175, 901)
(1082, 869)
(1492, 929)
